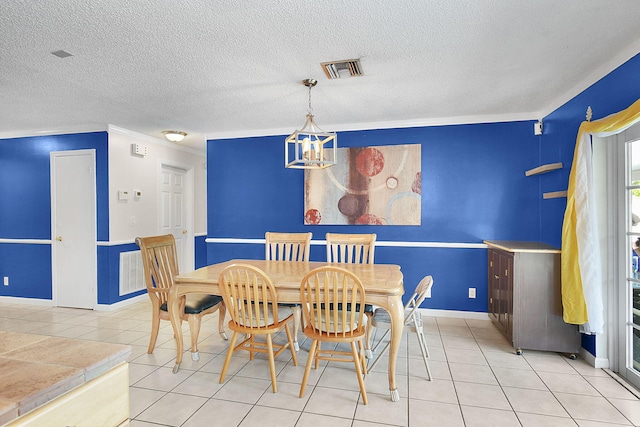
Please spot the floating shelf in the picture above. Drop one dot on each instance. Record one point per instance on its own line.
(554, 194)
(543, 169)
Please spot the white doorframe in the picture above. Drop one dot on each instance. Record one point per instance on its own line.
(625, 318)
(90, 256)
(613, 165)
(188, 261)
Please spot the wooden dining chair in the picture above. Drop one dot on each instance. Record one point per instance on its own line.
(354, 249)
(323, 292)
(412, 323)
(351, 248)
(289, 247)
(250, 297)
(160, 265)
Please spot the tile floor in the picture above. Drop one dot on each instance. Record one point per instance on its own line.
(478, 379)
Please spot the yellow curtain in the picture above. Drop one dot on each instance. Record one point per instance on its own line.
(581, 283)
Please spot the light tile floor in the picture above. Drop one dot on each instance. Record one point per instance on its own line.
(478, 379)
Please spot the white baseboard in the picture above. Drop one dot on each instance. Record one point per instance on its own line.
(49, 303)
(27, 301)
(121, 304)
(596, 362)
(454, 313)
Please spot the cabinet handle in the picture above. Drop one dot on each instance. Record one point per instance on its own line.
(495, 276)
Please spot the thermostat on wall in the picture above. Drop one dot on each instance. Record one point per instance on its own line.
(139, 149)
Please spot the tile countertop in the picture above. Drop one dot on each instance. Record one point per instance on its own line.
(35, 369)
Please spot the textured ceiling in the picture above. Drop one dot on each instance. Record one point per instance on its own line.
(216, 68)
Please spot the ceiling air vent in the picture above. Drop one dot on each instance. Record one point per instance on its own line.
(61, 54)
(341, 69)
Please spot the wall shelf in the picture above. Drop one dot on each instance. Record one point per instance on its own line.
(554, 194)
(543, 169)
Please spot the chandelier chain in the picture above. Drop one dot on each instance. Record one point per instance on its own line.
(309, 108)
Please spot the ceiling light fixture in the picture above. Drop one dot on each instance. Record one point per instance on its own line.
(174, 135)
(310, 147)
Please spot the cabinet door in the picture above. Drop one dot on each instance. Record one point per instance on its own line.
(506, 293)
(500, 286)
(493, 285)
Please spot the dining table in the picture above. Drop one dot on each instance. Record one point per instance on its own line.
(383, 284)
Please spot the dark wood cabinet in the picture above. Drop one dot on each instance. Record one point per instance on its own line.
(525, 301)
(501, 291)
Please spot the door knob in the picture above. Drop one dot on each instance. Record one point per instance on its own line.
(59, 238)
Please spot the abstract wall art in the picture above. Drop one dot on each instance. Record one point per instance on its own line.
(378, 185)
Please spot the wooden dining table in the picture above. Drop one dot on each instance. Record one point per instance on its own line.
(383, 284)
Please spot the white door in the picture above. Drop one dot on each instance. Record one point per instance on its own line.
(73, 228)
(629, 235)
(174, 190)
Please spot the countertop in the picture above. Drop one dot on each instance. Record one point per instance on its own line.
(521, 246)
(35, 369)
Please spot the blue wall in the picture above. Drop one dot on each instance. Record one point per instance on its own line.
(473, 188)
(25, 211)
(613, 93)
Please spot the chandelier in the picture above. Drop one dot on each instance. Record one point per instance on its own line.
(310, 147)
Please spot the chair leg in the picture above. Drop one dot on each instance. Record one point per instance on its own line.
(194, 331)
(307, 369)
(155, 326)
(375, 361)
(291, 347)
(358, 363)
(369, 330)
(317, 361)
(272, 364)
(297, 315)
(363, 360)
(425, 353)
(232, 345)
(252, 339)
(222, 312)
(420, 332)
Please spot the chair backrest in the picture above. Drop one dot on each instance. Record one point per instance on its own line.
(247, 292)
(324, 292)
(419, 294)
(160, 264)
(287, 246)
(351, 248)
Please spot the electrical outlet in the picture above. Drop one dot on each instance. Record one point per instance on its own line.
(6, 280)
(472, 292)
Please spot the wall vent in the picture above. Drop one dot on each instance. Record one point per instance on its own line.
(342, 69)
(61, 54)
(131, 272)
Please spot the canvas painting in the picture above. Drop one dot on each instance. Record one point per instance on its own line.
(379, 185)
